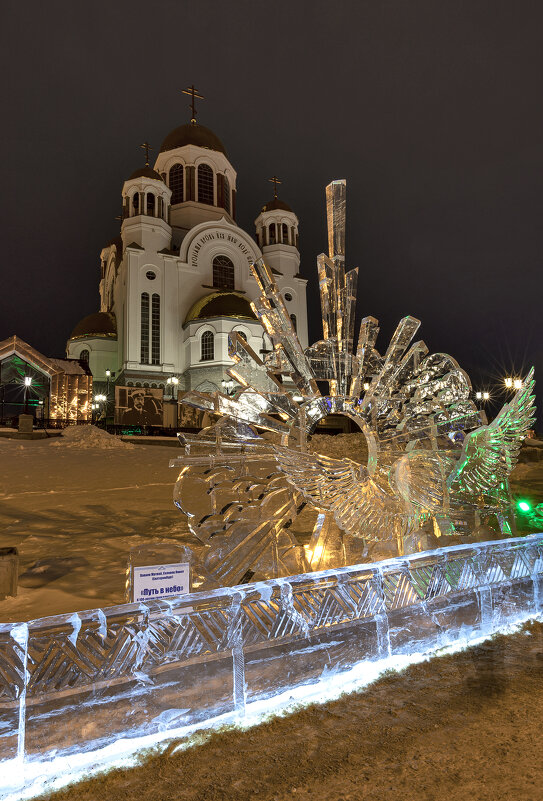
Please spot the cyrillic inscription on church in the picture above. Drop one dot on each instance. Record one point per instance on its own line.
(218, 235)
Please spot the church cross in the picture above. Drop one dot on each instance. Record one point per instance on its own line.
(275, 180)
(147, 147)
(190, 90)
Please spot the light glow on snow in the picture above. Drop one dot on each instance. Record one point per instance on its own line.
(54, 774)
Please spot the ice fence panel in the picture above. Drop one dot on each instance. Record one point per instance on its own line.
(77, 682)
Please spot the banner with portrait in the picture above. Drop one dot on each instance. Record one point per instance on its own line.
(190, 418)
(139, 406)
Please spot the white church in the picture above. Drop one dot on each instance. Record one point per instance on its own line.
(177, 281)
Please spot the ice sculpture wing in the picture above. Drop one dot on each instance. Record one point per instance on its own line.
(491, 452)
(360, 507)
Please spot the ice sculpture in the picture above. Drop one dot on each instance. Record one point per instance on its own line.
(434, 466)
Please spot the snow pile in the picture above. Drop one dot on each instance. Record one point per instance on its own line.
(89, 437)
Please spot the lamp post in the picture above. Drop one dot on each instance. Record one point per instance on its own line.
(172, 382)
(228, 386)
(28, 382)
(513, 383)
(99, 399)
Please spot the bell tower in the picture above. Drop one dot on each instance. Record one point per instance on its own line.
(277, 234)
(146, 207)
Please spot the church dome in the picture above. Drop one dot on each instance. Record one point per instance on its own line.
(221, 304)
(146, 172)
(192, 134)
(276, 204)
(99, 324)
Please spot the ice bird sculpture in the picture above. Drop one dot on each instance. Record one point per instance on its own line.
(434, 467)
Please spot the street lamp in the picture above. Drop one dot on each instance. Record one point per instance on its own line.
(228, 386)
(28, 381)
(172, 381)
(513, 383)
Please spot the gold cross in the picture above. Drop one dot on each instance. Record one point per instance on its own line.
(190, 90)
(147, 147)
(275, 180)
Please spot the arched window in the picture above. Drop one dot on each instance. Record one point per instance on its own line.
(205, 184)
(136, 203)
(84, 356)
(207, 352)
(176, 183)
(271, 238)
(150, 204)
(284, 229)
(144, 354)
(226, 203)
(155, 329)
(293, 320)
(242, 334)
(223, 273)
(160, 210)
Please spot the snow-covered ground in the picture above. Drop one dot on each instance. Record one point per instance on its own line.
(77, 504)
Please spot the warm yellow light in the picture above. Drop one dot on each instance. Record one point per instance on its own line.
(317, 553)
(517, 383)
(238, 378)
(509, 383)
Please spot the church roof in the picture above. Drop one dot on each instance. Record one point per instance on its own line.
(192, 134)
(221, 303)
(273, 205)
(146, 172)
(99, 324)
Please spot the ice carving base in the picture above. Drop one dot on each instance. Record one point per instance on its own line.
(75, 683)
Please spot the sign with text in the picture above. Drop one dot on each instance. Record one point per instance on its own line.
(160, 581)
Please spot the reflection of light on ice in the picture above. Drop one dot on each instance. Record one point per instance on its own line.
(54, 774)
(313, 556)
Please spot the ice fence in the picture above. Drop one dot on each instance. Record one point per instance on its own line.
(77, 682)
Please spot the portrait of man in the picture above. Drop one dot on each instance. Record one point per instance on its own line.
(143, 407)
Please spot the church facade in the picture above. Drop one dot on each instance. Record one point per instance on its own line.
(177, 281)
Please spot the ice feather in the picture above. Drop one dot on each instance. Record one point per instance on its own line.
(491, 452)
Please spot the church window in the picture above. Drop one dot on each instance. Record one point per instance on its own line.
(293, 321)
(242, 334)
(220, 190)
(292, 236)
(136, 203)
(207, 352)
(284, 229)
(288, 296)
(84, 356)
(144, 355)
(155, 330)
(226, 203)
(150, 275)
(150, 204)
(271, 237)
(176, 183)
(191, 188)
(223, 273)
(205, 184)
(160, 211)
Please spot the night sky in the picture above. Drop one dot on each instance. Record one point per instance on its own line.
(432, 111)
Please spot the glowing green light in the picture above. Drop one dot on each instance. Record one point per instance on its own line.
(524, 506)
